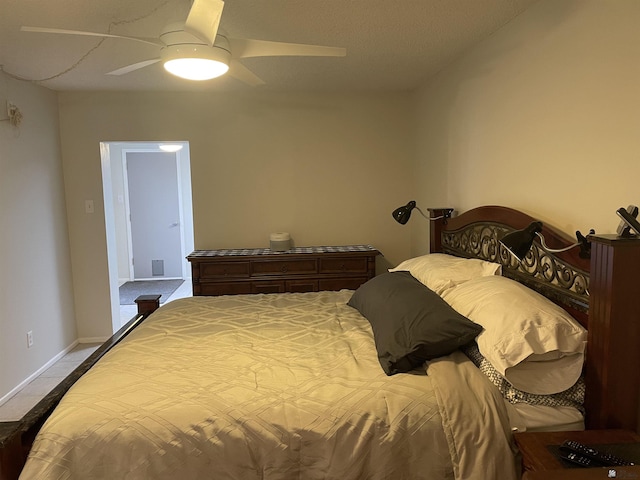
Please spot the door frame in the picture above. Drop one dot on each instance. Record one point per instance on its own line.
(111, 167)
(183, 253)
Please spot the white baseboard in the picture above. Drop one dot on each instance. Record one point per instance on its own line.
(38, 372)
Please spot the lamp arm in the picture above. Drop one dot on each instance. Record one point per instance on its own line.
(422, 213)
(445, 216)
(554, 250)
(585, 245)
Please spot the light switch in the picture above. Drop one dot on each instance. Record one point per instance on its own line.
(88, 206)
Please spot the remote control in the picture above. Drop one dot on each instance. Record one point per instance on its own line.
(576, 459)
(605, 459)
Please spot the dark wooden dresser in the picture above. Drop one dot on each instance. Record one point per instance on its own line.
(300, 269)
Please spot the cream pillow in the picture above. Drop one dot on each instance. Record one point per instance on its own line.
(439, 271)
(536, 345)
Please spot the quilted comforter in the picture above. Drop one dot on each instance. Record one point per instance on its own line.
(273, 387)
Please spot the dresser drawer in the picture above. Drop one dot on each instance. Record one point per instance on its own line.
(351, 283)
(301, 285)
(343, 265)
(284, 267)
(229, 288)
(268, 286)
(224, 269)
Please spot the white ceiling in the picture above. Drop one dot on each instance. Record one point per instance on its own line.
(391, 45)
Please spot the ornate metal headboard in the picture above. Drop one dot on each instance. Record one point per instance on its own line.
(606, 285)
(477, 234)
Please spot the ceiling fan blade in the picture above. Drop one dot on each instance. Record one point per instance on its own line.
(133, 67)
(245, 47)
(242, 73)
(204, 19)
(152, 41)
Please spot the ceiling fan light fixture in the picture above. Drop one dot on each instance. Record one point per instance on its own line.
(195, 62)
(170, 147)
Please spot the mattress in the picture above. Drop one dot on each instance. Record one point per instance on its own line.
(271, 387)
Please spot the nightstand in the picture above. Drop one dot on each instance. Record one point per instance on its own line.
(540, 463)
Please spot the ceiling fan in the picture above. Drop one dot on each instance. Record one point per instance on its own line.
(197, 50)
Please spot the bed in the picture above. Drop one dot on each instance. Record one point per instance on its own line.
(284, 386)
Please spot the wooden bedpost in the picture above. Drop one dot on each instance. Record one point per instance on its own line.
(613, 346)
(12, 455)
(147, 304)
(435, 229)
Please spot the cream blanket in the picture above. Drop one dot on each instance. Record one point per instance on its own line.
(273, 387)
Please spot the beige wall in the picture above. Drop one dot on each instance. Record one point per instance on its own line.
(544, 116)
(328, 169)
(35, 285)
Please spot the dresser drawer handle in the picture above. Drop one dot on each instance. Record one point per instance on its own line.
(343, 267)
(284, 269)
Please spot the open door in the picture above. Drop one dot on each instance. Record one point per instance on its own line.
(154, 215)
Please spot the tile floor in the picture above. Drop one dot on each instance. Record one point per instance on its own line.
(14, 408)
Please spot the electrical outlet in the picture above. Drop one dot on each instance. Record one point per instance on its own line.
(30, 339)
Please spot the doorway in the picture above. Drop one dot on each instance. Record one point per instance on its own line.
(120, 191)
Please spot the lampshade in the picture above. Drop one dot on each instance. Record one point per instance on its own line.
(402, 214)
(519, 242)
(195, 62)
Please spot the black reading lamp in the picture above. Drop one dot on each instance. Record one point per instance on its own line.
(402, 214)
(519, 243)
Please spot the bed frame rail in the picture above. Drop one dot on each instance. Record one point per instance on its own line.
(16, 438)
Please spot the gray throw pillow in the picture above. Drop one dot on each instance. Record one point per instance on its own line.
(411, 324)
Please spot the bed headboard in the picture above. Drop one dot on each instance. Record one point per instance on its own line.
(603, 293)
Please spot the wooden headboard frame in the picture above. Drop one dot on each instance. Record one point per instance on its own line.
(603, 293)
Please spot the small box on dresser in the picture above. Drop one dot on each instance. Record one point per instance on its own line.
(300, 269)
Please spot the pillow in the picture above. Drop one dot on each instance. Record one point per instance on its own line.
(531, 341)
(440, 271)
(411, 324)
(573, 397)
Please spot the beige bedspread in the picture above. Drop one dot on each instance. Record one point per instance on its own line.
(273, 387)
